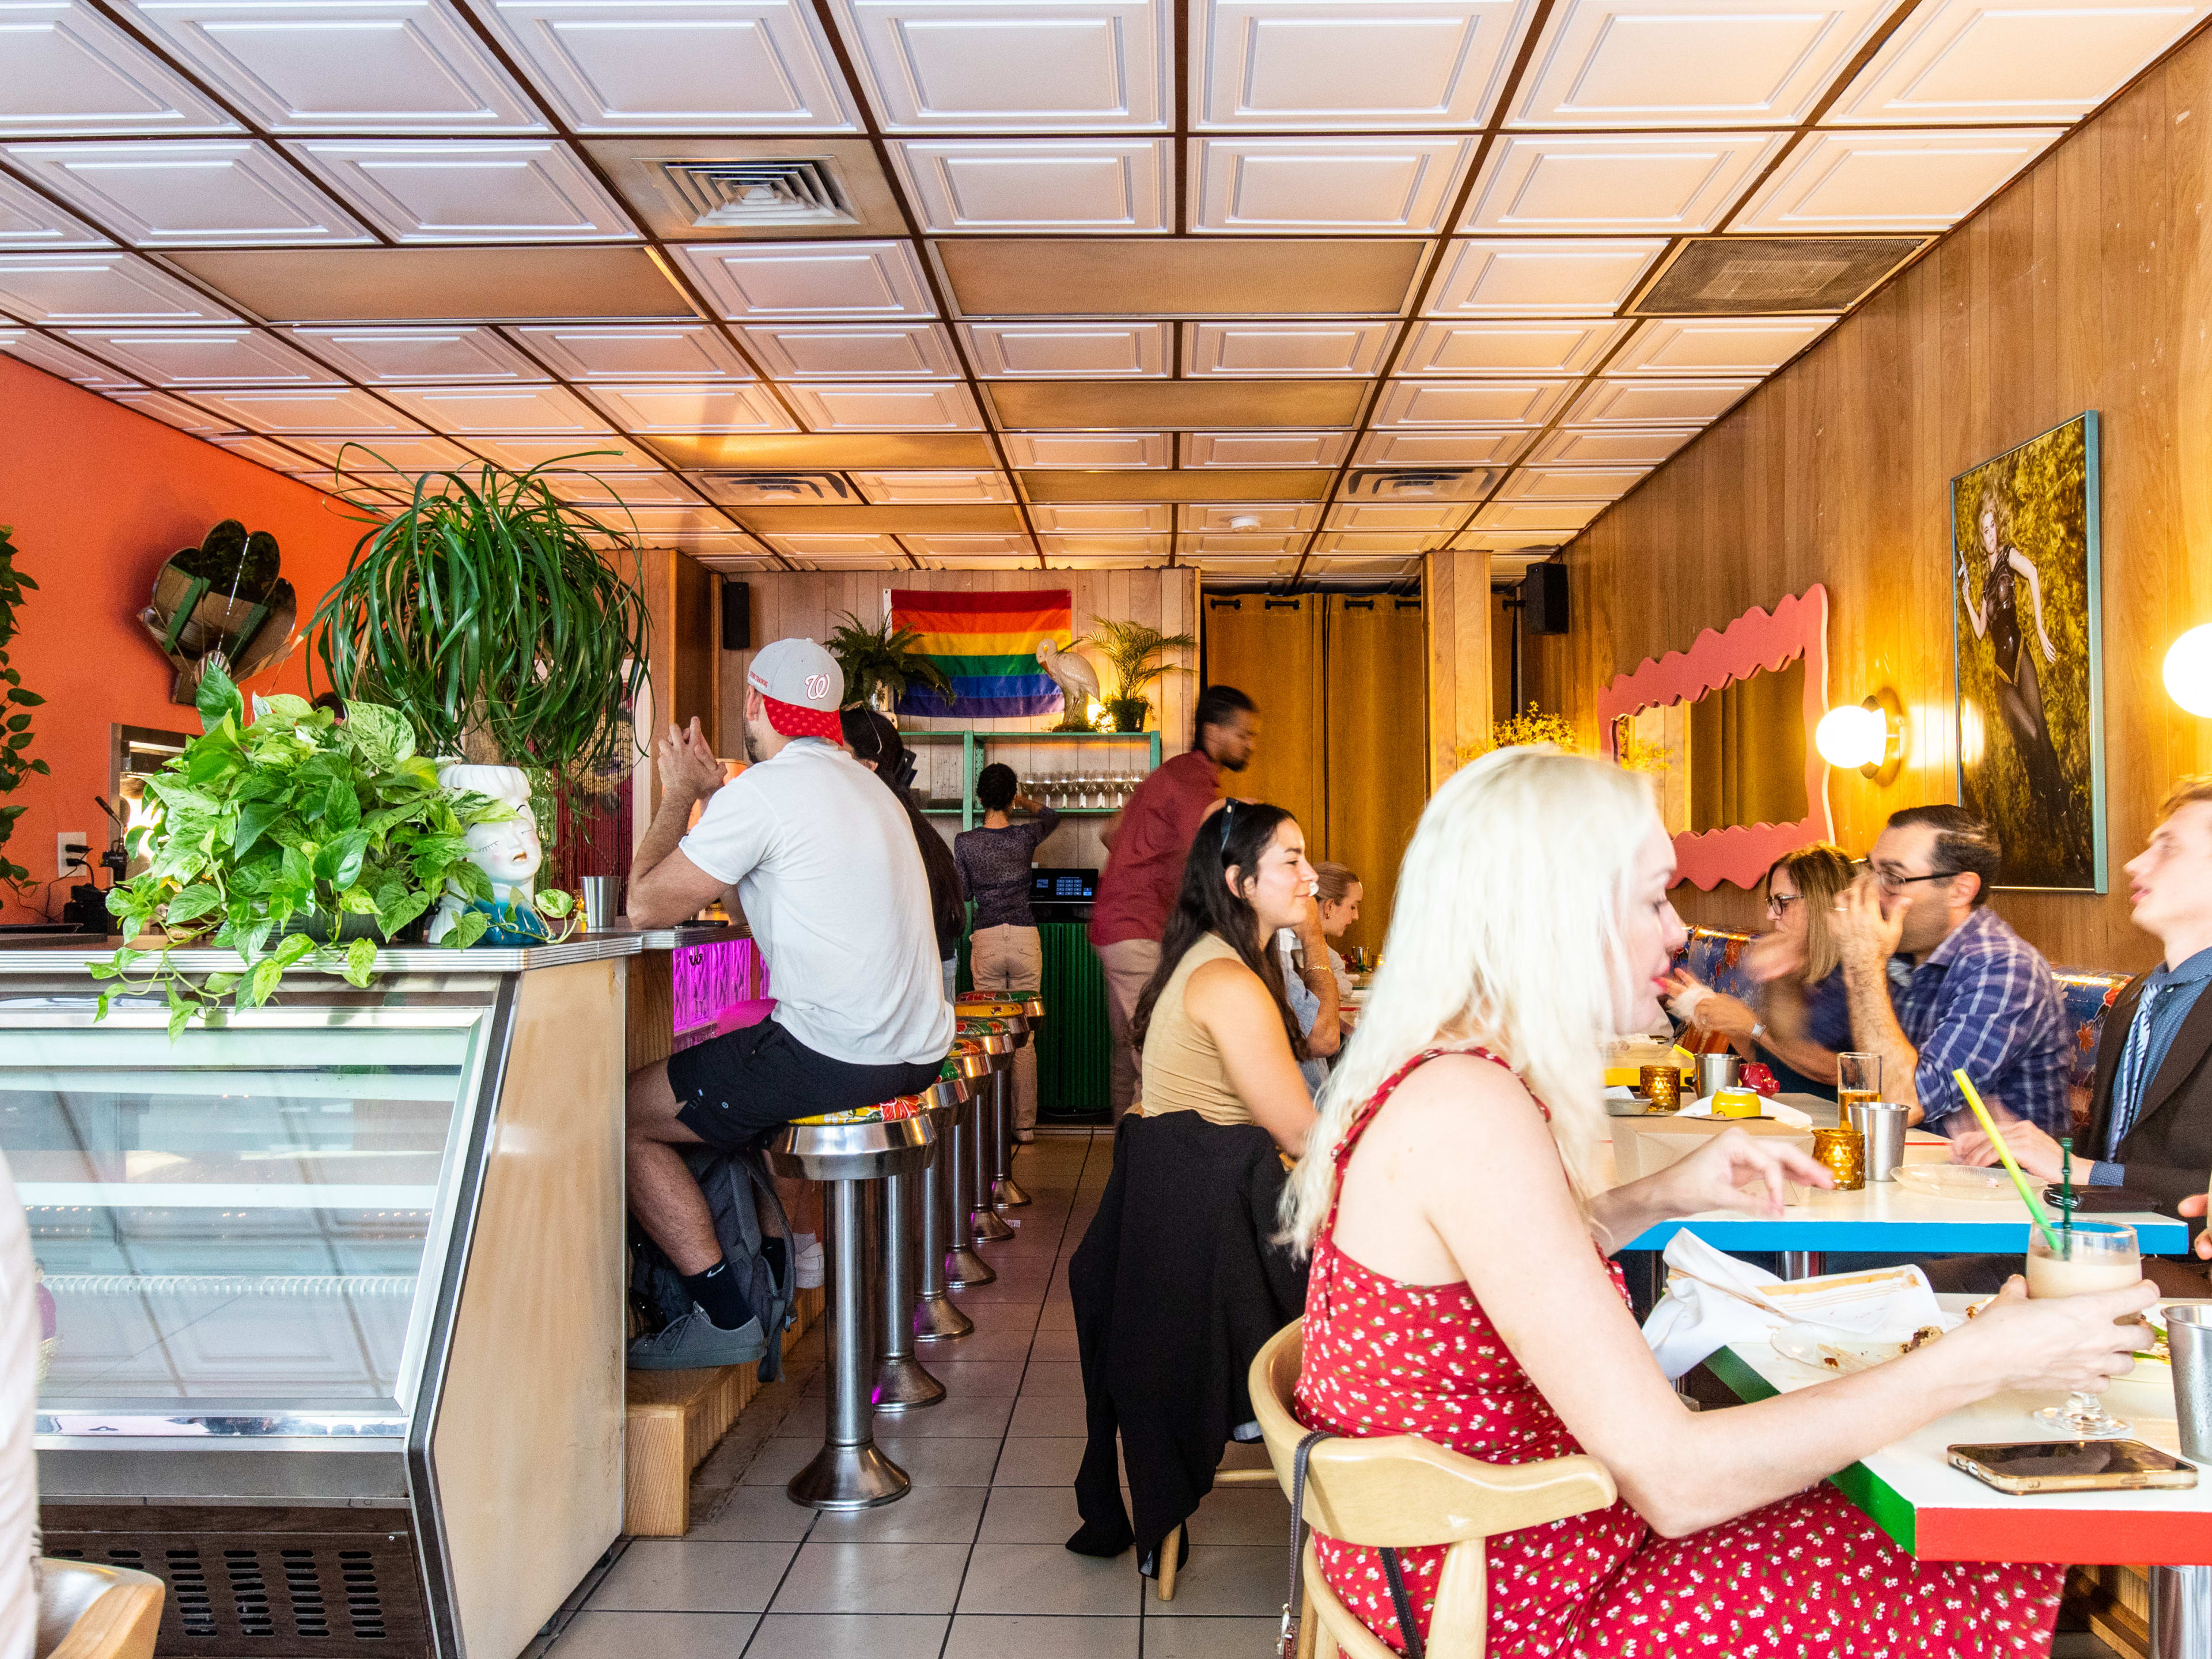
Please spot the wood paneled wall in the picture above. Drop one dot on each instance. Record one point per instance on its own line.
(1457, 593)
(814, 603)
(2085, 285)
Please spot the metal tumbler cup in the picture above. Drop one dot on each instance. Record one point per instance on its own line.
(599, 896)
(2188, 1340)
(1882, 1124)
(1716, 1072)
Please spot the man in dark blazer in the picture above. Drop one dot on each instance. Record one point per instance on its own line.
(2150, 1110)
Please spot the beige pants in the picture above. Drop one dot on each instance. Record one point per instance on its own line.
(1129, 967)
(1011, 961)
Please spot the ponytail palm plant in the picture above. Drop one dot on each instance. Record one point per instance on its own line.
(480, 608)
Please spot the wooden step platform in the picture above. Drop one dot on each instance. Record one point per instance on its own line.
(674, 1419)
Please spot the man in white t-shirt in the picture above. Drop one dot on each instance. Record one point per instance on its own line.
(824, 867)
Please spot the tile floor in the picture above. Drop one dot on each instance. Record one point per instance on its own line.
(970, 1564)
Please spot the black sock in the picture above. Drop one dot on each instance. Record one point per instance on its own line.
(717, 1292)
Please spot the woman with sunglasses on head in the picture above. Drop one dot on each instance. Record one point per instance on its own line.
(1212, 1027)
(1804, 1016)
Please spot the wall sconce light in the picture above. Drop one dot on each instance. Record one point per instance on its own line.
(1871, 737)
(2188, 671)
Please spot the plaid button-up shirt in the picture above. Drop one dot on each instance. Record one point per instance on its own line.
(1983, 1001)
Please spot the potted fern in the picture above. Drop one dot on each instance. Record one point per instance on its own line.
(1131, 650)
(880, 663)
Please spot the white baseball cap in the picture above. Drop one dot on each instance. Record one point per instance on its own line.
(802, 684)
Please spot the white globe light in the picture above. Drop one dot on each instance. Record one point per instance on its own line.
(1851, 736)
(2188, 671)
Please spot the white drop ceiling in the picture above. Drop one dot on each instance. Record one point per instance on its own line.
(938, 270)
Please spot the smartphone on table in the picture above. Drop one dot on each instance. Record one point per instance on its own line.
(2033, 1466)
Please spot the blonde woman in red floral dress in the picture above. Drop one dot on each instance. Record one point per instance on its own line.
(1450, 1195)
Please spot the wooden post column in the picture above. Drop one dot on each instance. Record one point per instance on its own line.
(1457, 613)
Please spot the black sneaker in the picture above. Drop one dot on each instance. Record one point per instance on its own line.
(697, 1343)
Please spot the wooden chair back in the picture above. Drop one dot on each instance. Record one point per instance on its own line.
(1401, 1491)
(90, 1612)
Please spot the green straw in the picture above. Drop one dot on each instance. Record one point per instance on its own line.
(1990, 1128)
(2066, 1181)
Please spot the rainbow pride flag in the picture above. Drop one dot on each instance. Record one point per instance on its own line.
(987, 645)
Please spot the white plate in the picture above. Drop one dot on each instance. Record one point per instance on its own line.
(1991, 1186)
(1841, 1353)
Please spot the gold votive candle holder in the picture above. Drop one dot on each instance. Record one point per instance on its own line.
(1662, 1088)
(1842, 1151)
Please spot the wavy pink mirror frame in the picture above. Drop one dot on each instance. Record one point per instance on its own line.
(1798, 627)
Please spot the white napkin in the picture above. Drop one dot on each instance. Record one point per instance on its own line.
(1780, 1111)
(1712, 1299)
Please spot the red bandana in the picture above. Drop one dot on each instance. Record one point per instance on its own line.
(794, 720)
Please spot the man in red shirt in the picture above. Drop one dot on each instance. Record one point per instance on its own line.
(1146, 848)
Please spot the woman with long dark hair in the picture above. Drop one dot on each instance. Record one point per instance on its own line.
(1212, 1027)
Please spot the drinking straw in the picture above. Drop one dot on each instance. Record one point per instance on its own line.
(1990, 1128)
(2066, 1181)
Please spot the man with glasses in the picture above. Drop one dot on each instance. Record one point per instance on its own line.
(1938, 982)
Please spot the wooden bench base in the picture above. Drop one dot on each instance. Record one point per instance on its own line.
(674, 1419)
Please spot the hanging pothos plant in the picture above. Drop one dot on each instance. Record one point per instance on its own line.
(299, 838)
(16, 704)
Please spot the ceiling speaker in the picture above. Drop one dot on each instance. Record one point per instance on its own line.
(1763, 276)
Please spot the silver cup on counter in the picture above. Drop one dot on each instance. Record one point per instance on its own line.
(2189, 1341)
(1881, 1123)
(598, 893)
(1716, 1072)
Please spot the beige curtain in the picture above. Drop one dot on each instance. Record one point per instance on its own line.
(1377, 782)
(1269, 648)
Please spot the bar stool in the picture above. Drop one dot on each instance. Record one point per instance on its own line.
(902, 1384)
(847, 1150)
(935, 1317)
(1005, 1193)
(1016, 1014)
(964, 1268)
(984, 1220)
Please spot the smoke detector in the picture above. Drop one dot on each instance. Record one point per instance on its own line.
(770, 189)
(1245, 521)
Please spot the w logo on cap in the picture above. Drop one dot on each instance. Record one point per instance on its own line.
(817, 685)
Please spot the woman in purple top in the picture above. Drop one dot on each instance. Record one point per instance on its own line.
(1004, 953)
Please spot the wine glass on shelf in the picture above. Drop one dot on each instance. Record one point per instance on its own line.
(2089, 1255)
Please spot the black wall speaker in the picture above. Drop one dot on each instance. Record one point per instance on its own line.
(1544, 598)
(737, 617)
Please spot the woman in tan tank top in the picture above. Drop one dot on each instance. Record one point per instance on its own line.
(1213, 1030)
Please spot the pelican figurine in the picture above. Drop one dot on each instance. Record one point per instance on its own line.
(1077, 679)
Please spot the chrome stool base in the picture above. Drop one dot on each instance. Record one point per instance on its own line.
(848, 1478)
(901, 1385)
(989, 1228)
(965, 1270)
(1005, 1195)
(937, 1320)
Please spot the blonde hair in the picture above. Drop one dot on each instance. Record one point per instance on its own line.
(1524, 860)
(1821, 872)
(1333, 881)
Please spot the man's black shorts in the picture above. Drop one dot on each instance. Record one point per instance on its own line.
(736, 1087)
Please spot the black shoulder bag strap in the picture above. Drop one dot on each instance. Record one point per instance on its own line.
(1395, 1575)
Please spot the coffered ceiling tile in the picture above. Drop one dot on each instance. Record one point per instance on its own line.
(757, 281)
(67, 69)
(265, 452)
(44, 351)
(1656, 402)
(1236, 561)
(1717, 345)
(677, 65)
(1023, 65)
(1511, 551)
(420, 356)
(1285, 349)
(1689, 63)
(1351, 65)
(1570, 483)
(1508, 348)
(733, 564)
(2022, 60)
(66, 290)
(720, 406)
(205, 356)
(195, 192)
(1890, 180)
(853, 351)
(718, 549)
(894, 487)
(1368, 568)
(1388, 516)
(670, 351)
(1398, 542)
(587, 451)
(1563, 278)
(176, 412)
(1672, 183)
(1058, 561)
(1197, 484)
(1105, 519)
(463, 409)
(512, 190)
(343, 65)
(930, 406)
(1135, 549)
(810, 548)
(935, 548)
(30, 221)
(648, 521)
(338, 411)
(385, 453)
(1219, 519)
(1495, 448)
(1609, 446)
(1088, 449)
(1471, 403)
(1265, 448)
(1301, 185)
(1061, 351)
(1211, 403)
(1523, 518)
(511, 283)
(1040, 185)
(587, 488)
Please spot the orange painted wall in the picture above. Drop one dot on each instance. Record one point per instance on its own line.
(99, 497)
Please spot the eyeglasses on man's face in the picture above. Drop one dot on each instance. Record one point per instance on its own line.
(1893, 881)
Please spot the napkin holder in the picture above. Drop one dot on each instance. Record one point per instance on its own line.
(1645, 1145)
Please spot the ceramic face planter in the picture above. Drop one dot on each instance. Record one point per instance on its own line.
(508, 851)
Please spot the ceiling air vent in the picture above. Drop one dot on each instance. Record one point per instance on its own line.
(1763, 276)
(770, 189)
(1421, 484)
(778, 489)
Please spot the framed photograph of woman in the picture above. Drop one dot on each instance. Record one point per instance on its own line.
(2028, 637)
